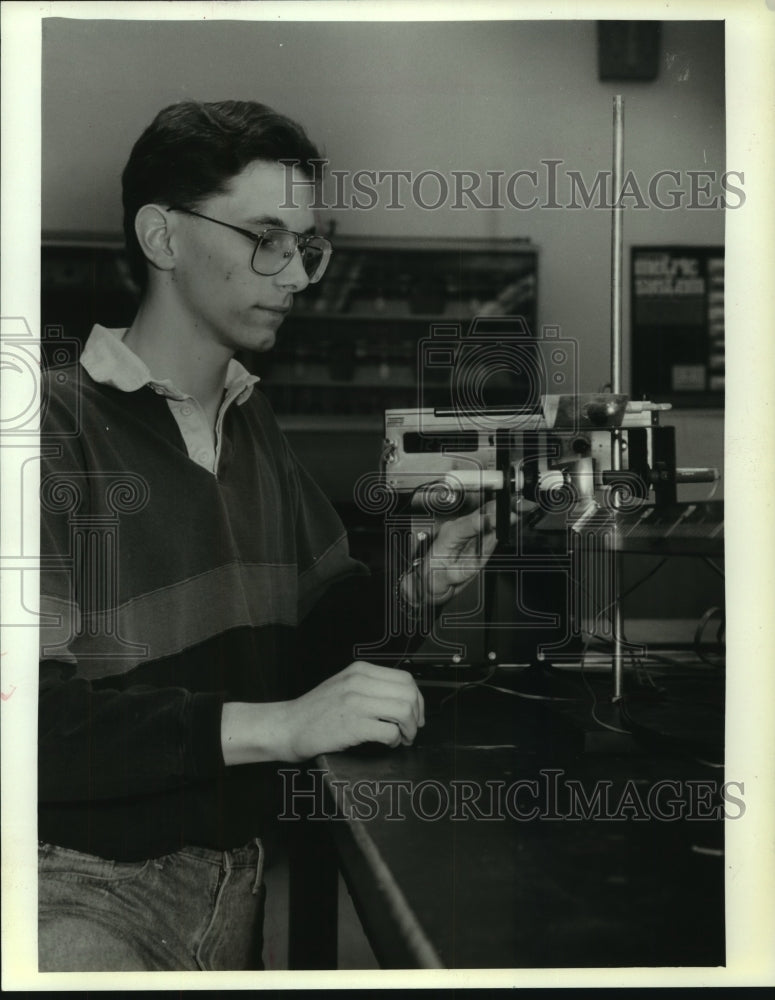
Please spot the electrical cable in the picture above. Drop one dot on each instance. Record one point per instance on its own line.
(524, 694)
(483, 682)
(469, 684)
(699, 632)
(715, 567)
(595, 717)
(647, 576)
(708, 763)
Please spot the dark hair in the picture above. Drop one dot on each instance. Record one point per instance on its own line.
(191, 150)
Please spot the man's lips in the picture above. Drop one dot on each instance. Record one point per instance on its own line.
(281, 310)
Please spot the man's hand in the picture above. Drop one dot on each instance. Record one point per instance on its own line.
(458, 552)
(363, 703)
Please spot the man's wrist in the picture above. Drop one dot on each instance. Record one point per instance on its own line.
(254, 732)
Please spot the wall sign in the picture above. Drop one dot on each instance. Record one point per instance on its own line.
(677, 308)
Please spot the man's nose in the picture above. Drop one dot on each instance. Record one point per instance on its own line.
(293, 275)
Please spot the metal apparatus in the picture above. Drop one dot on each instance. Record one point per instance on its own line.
(555, 466)
(571, 461)
(564, 449)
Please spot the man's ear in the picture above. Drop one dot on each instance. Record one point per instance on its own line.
(154, 234)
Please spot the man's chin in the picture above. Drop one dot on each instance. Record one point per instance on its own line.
(265, 343)
(262, 336)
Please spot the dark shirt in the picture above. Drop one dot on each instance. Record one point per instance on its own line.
(171, 588)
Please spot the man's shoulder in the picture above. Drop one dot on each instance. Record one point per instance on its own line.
(258, 410)
(67, 394)
(60, 394)
(61, 381)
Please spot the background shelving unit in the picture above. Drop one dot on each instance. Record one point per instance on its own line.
(351, 347)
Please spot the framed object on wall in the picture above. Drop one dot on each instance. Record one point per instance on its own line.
(628, 50)
(677, 312)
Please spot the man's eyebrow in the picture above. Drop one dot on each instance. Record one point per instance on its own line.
(273, 220)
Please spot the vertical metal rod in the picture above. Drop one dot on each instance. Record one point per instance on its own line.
(616, 359)
(616, 247)
(618, 664)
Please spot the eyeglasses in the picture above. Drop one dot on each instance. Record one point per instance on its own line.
(274, 248)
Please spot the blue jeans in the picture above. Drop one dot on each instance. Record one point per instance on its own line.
(195, 909)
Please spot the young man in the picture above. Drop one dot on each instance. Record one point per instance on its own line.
(187, 557)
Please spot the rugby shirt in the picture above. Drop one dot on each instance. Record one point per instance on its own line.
(169, 585)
